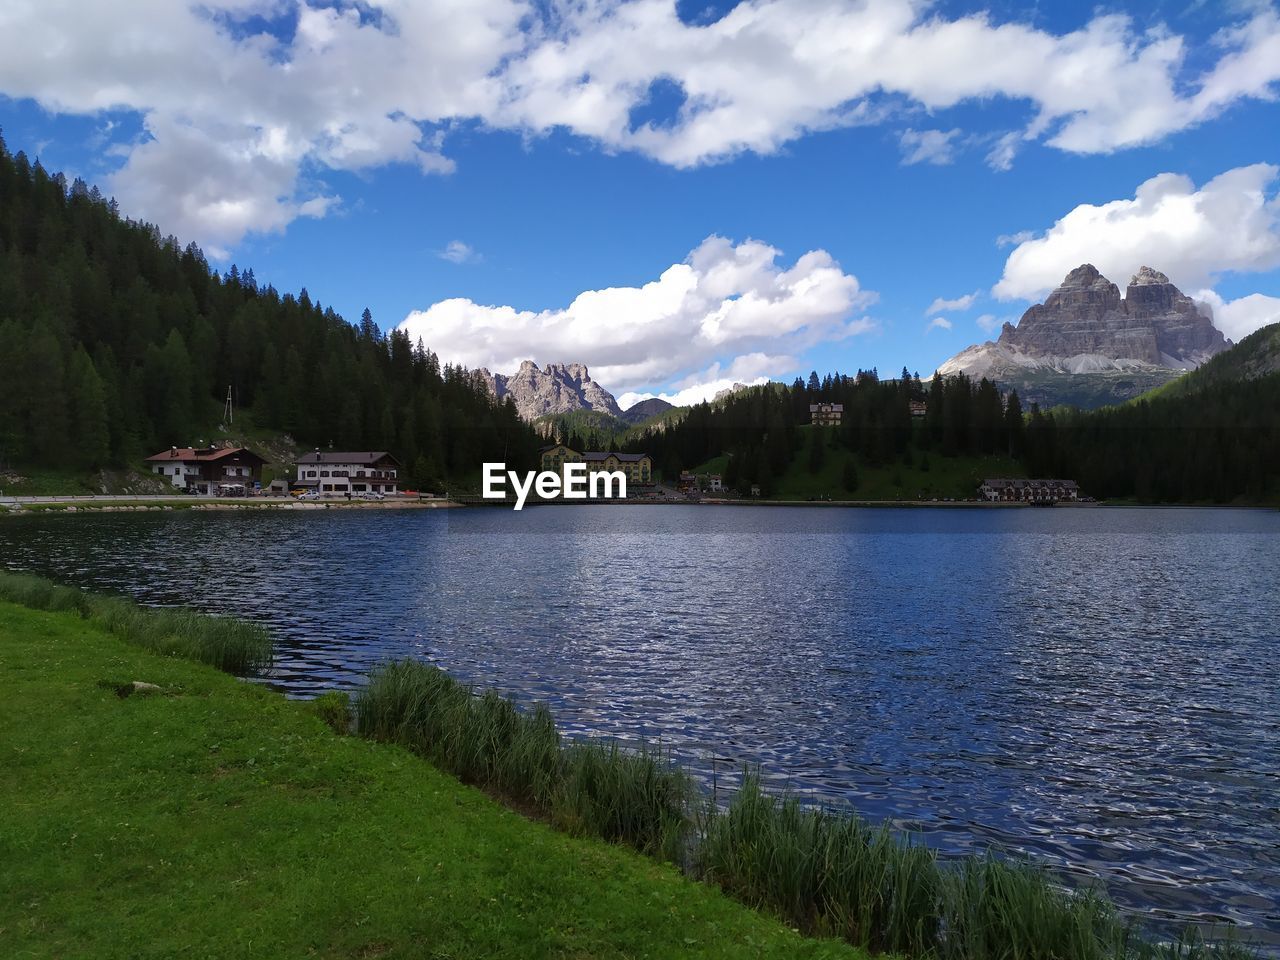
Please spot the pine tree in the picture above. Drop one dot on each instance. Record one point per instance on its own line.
(850, 475)
(90, 435)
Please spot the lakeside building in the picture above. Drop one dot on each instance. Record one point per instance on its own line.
(918, 408)
(1014, 490)
(337, 474)
(638, 467)
(826, 414)
(687, 482)
(209, 471)
(715, 483)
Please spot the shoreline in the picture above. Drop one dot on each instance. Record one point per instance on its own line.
(244, 751)
(106, 503)
(188, 812)
(98, 504)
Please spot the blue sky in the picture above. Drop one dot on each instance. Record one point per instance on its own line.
(478, 175)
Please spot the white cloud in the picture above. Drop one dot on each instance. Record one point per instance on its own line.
(1239, 318)
(723, 301)
(928, 146)
(1232, 223)
(938, 323)
(958, 304)
(1000, 157)
(1013, 239)
(456, 251)
(989, 322)
(239, 125)
(750, 370)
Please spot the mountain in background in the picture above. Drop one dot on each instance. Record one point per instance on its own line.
(1087, 346)
(646, 410)
(557, 388)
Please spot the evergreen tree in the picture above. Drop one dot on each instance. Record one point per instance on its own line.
(90, 435)
(850, 475)
(817, 450)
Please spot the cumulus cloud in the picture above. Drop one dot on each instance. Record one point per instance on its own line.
(958, 304)
(928, 146)
(1232, 223)
(455, 251)
(989, 322)
(938, 323)
(726, 311)
(1239, 318)
(240, 123)
(750, 370)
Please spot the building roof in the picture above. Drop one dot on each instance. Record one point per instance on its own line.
(621, 457)
(203, 455)
(1018, 482)
(598, 455)
(365, 457)
(826, 408)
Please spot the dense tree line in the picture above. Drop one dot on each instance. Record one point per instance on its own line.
(757, 427)
(116, 342)
(1217, 443)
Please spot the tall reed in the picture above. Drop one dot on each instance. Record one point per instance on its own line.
(590, 787)
(235, 646)
(828, 873)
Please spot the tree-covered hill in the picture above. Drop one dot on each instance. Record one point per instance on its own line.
(1213, 435)
(116, 342)
(758, 433)
(1257, 355)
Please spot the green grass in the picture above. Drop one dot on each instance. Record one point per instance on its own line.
(134, 825)
(220, 820)
(235, 646)
(834, 875)
(587, 787)
(829, 874)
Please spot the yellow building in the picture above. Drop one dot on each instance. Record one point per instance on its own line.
(637, 467)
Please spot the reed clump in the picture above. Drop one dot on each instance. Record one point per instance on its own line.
(828, 873)
(235, 646)
(28, 590)
(596, 788)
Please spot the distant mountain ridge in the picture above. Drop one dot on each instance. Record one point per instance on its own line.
(1087, 345)
(645, 409)
(556, 388)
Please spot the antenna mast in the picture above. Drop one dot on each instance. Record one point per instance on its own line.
(228, 414)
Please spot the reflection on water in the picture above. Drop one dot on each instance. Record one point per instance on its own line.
(1095, 687)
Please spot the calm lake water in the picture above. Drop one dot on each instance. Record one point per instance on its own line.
(1097, 687)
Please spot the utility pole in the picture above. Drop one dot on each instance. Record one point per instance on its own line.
(228, 414)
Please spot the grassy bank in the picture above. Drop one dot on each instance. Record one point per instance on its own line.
(111, 784)
(231, 645)
(827, 873)
(216, 819)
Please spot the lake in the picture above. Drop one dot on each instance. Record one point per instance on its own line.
(1098, 687)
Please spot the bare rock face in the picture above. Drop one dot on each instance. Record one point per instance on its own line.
(1155, 322)
(557, 388)
(1085, 330)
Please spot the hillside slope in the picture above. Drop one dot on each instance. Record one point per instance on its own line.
(116, 342)
(1257, 355)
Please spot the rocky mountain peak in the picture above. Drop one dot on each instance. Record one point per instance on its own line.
(1146, 276)
(1154, 323)
(1085, 328)
(557, 388)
